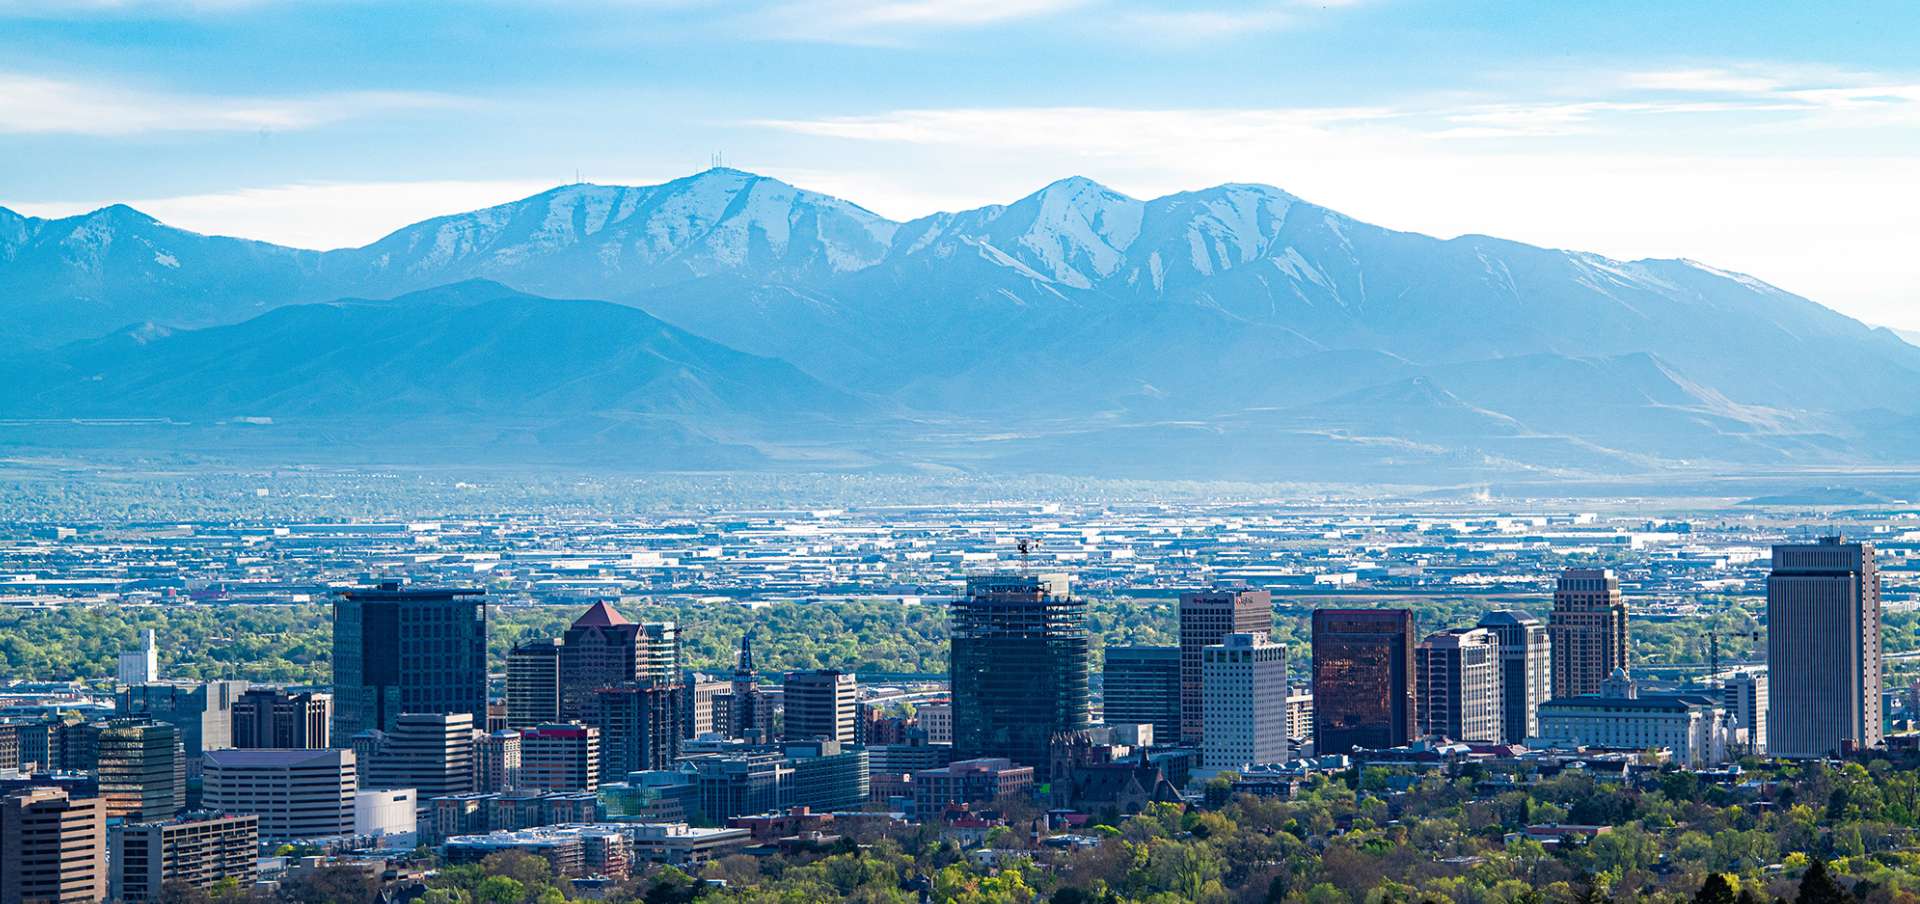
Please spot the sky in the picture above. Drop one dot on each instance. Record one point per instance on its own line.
(1772, 138)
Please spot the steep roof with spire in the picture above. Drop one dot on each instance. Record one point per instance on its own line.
(743, 666)
(602, 615)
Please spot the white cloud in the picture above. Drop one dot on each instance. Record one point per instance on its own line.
(37, 105)
(1189, 25)
(1817, 95)
(889, 21)
(311, 215)
(1704, 80)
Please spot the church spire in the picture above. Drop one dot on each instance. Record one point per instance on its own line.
(744, 666)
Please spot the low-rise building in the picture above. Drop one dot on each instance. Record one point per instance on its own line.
(389, 818)
(298, 794)
(681, 845)
(1693, 727)
(193, 852)
(976, 781)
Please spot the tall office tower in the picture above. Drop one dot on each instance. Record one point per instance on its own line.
(194, 853)
(747, 712)
(1588, 628)
(601, 649)
(1206, 618)
(820, 703)
(1141, 685)
(660, 656)
(1823, 644)
(561, 756)
(55, 847)
(431, 753)
(704, 704)
(141, 666)
(1459, 686)
(202, 711)
(298, 794)
(533, 683)
(639, 725)
(1745, 697)
(275, 717)
(1526, 671)
(142, 769)
(407, 651)
(1243, 680)
(496, 761)
(1019, 663)
(1362, 679)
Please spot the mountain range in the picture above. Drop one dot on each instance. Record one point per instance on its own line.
(732, 320)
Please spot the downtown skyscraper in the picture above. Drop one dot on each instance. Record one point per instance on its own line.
(820, 703)
(602, 648)
(1459, 686)
(1363, 679)
(1141, 685)
(1823, 649)
(407, 651)
(1019, 665)
(1245, 677)
(1526, 671)
(1588, 627)
(1206, 618)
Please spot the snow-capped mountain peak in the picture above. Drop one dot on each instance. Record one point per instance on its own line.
(716, 221)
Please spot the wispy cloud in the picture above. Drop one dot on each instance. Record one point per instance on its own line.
(1834, 96)
(1188, 25)
(37, 105)
(889, 21)
(1631, 101)
(903, 21)
(1090, 128)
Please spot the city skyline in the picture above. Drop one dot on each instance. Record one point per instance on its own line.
(959, 452)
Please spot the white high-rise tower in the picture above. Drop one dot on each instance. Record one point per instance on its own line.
(141, 666)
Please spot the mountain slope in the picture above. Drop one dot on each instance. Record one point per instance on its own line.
(596, 240)
(82, 276)
(1073, 317)
(472, 350)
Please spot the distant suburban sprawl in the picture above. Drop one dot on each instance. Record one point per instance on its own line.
(1010, 701)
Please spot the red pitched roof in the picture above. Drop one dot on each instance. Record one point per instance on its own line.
(600, 616)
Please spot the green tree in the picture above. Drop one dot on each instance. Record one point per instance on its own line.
(1716, 890)
(499, 890)
(1818, 887)
(330, 885)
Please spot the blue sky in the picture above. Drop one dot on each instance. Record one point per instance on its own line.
(1779, 139)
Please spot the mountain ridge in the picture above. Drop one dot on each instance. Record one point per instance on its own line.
(1074, 309)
